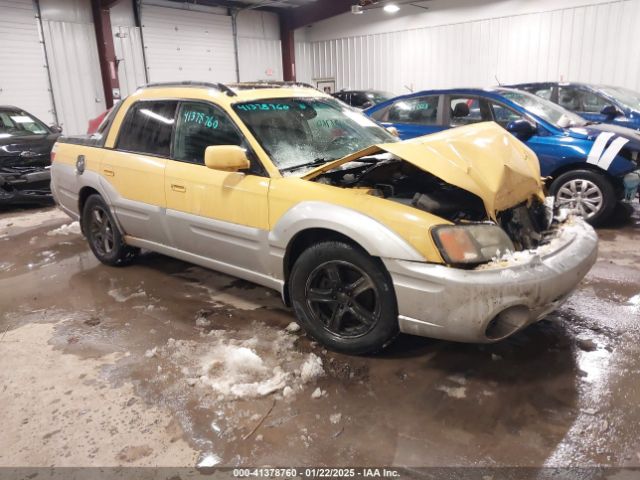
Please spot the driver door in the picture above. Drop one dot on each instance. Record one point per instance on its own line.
(219, 215)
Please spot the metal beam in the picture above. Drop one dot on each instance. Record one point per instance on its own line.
(288, 47)
(316, 11)
(106, 52)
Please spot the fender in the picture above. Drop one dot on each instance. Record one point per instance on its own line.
(377, 239)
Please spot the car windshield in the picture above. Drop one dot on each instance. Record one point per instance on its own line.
(18, 123)
(306, 132)
(626, 97)
(378, 96)
(552, 113)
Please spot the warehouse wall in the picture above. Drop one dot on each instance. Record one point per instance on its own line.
(462, 43)
(259, 50)
(70, 42)
(24, 78)
(127, 42)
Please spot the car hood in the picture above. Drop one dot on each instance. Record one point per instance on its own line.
(591, 132)
(483, 159)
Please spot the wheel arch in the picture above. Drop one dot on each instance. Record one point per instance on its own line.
(579, 166)
(312, 222)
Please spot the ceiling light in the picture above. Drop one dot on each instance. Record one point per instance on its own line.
(391, 8)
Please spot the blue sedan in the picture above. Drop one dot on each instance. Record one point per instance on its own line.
(590, 167)
(597, 103)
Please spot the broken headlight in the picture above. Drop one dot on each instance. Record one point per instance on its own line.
(471, 244)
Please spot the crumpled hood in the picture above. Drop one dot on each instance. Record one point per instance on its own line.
(483, 159)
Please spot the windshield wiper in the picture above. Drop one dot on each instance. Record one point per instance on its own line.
(316, 163)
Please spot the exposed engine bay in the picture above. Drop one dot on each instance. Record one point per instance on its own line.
(400, 181)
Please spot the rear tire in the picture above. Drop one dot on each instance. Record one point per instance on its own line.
(344, 298)
(104, 237)
(588, 192)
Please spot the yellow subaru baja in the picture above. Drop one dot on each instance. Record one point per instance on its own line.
(445, 236)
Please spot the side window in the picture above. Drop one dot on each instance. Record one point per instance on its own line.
(147, 128)
(201, 125)
(503, 115)
(591, 102)
(358, 99)
(569, 98)
(542, 92)
(467, 110)
(418, 110)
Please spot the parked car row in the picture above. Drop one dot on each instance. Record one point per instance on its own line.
(589, 167)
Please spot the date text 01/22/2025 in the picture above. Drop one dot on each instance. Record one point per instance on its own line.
(316, 472)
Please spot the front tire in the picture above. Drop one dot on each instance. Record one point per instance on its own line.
(590, 193)
(344, 298)
(103, 235)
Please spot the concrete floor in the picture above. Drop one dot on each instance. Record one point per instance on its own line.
(130, 366)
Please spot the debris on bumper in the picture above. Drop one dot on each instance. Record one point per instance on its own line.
(20, 184)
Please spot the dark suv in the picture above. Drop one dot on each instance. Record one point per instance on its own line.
(25, 156)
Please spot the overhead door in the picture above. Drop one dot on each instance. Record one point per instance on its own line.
(23, 71)
(184, 44)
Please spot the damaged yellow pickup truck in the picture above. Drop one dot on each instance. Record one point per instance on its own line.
(446, 236)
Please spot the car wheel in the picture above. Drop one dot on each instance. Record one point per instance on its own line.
(344, 298)
(587, 192)
(103, 235)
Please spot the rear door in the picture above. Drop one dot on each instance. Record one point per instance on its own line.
(134, 170)
(413, 116)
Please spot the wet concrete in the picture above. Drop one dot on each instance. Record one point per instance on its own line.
(104, 366)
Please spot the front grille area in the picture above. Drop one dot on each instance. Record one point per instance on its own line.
(525, 224)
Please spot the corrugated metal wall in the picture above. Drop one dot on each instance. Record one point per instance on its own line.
(75, 73)
(596, 43)
(23, 73)
(259, 50)
(127, 43)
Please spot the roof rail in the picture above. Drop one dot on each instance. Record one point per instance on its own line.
(269, 84)
(189, 83)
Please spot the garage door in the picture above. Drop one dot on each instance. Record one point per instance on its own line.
(187, 45)
(23, 73)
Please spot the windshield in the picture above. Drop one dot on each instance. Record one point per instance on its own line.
(305, 132)
(18, 123)
(552, 113)
(626, 97)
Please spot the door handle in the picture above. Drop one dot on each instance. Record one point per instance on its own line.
(108, 173)
(178, 188)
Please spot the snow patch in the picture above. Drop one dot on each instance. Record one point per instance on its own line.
(335, 418)
(121, 297)
(453, 392)
(292, 327)
(311, 368)
(72, 228)
(250, 364)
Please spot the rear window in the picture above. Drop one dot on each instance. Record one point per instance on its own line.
(147, 128)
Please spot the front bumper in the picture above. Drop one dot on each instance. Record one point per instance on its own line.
(495, 300)
(25, 185)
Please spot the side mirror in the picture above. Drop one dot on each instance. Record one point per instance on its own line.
(55, 128)
(393, 131)
(229, 158)
(610, 111)
(521, 128)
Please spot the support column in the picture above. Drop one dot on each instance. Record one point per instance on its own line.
(288, 49)
(106, 51)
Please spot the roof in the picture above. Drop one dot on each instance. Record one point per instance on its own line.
(227, 94)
